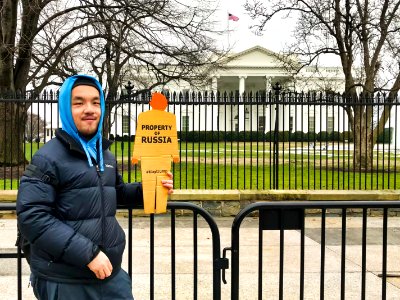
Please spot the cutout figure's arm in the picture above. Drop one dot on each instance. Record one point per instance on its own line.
(137, 147)
(174, 135)
(136, 154)
(135, 160)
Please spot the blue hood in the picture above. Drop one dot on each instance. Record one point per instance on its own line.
(93, 147)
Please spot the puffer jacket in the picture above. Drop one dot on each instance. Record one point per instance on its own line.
(68, 222)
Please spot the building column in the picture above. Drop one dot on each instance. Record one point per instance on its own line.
(242, 84)
(242, 89)
(269, 110)
(395, 142)
(284, 116)
(214, 89)
(268, 83)
(214, 84)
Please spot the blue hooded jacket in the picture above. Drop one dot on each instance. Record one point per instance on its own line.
(66, 208)
(68, 124)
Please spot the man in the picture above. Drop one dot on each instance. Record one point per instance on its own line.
(67, 202)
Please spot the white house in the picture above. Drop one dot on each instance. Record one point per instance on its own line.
(257, 70)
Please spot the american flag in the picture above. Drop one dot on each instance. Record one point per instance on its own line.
(232, 17)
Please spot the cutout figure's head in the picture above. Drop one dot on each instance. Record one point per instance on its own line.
(158, 101)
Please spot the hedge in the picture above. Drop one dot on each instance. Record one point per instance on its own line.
(257, 136)
(385, 136)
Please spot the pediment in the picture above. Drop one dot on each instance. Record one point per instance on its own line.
(254, 57)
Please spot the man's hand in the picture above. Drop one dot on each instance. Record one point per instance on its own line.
(101, 266)
(169, 184)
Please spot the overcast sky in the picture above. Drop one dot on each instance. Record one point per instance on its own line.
(241, 37)
(277, 35)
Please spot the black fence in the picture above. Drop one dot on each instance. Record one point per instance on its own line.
(303, 250)
(366, 243)
(208, 284)
(264, 140)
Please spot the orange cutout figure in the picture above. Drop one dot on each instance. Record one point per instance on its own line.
(156, 144)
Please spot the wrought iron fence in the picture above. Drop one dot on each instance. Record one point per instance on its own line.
(353, 233)
(204, 273)
(276, 140)
(334, 247)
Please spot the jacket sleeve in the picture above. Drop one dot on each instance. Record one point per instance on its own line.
(129, 195)
(39, 223)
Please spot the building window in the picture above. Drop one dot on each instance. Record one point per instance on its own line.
(311, 124)
(290, 124)
(185, 123)
(261, 123)
(330, 124)
(246, 113)
(125, 124)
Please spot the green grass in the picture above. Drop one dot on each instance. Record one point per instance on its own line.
(208, 176)
(8, 184)
(240, 150)
(247, 166)
(31, 148)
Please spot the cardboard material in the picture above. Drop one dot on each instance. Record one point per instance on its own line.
(154, 169)
(156, 145)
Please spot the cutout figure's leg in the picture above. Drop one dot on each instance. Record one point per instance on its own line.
(148, 185)
(149, 197)
(154, 170)
(161, 195)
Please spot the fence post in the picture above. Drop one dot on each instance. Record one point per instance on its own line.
(275, 162)
(129, 89)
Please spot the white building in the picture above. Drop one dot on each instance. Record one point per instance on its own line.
(257, 70)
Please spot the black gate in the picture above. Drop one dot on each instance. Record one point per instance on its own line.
(279, 218)
(285, 216)
(191, 212)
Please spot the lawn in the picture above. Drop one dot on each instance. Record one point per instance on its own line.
(211, 176)
(239, 165)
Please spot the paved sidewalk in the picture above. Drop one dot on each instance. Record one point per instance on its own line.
(248, 259)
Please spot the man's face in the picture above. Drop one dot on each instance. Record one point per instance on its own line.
(86, 110)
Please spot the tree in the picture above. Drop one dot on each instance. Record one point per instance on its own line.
(25, 60)
(40, 40)
(34, 127)
(365, 36)
(8, 32)
(151, 44)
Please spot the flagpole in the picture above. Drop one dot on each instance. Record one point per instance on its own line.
(227, 18)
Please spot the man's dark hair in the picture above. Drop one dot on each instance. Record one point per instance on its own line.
(85, 81)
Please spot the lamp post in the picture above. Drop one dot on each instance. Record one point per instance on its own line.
(129, 88)
(275, 162)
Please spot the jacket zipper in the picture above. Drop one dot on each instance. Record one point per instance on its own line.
(103, 217)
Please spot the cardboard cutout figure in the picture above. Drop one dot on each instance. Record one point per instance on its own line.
(156, 144)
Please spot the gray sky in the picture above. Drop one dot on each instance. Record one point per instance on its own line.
(276, 36)
(241, 37)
